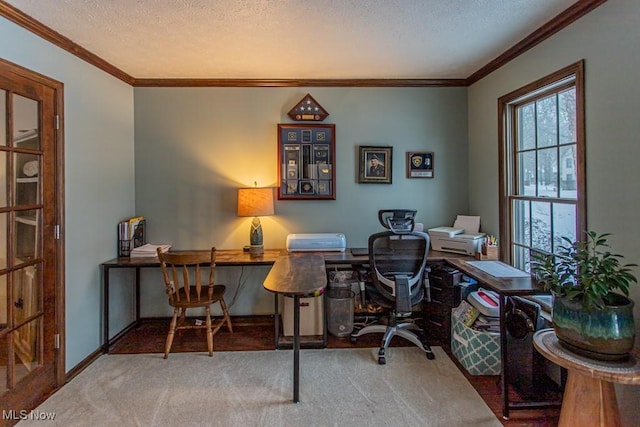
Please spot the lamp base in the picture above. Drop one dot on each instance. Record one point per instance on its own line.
(256, 250)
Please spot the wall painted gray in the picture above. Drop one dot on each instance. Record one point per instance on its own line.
(196, 146)
(607, 39)
(99, 174)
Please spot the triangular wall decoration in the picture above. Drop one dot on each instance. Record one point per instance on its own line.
(308, 110)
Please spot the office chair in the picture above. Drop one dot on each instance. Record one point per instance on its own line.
(179, 269)
(397, 259)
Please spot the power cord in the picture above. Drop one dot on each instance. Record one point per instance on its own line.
(367, 321)
(240, 284)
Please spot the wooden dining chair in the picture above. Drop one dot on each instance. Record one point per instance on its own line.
(189, 279)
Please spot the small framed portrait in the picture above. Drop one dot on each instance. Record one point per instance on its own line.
(375, 164)
(420, 164)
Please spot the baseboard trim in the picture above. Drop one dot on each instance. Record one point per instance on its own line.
(253, 319)
(83, 365)
(250, 319)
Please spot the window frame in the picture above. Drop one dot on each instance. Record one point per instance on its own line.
(508, 182)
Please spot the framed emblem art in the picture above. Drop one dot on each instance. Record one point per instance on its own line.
(306, 159)
(420, 164)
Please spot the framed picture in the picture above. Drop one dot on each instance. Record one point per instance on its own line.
(306, 155)
(375, 164)
(420, 164)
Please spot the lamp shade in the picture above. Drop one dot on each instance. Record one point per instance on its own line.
(255, 201)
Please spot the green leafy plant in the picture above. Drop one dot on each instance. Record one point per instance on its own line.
(585, 272)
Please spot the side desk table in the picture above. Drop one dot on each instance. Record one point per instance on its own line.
(505, 287)
(589, 395)
(224, 258)
(297, 275)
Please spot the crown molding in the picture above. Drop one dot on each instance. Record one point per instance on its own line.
(564, 19)
(36, 27)
(299, 82)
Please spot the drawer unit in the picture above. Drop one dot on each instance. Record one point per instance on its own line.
(444, 294)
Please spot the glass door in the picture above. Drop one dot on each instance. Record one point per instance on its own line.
(29, 285)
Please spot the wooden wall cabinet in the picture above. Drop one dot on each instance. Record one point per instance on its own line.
(306, 162)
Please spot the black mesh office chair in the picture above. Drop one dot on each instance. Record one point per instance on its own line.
(397, 259)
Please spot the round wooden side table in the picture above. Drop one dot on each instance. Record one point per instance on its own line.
(589, 395)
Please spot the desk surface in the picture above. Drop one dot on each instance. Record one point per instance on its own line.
(347, 257)
(230, 257)
(299, 260)
(224, 257)
(506, 286)
(297, 274)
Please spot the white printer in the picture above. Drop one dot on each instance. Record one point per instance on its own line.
(316, 242)
(462, 238)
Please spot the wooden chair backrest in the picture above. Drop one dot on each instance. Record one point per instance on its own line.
(187, 270)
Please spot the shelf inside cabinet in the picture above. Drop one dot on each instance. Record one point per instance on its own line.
(29, 180)
(26, 220)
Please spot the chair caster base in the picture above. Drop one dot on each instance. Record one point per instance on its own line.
(381, 358)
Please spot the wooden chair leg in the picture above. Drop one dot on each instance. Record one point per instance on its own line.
(172, 331)
(209, 331)
(226, 314)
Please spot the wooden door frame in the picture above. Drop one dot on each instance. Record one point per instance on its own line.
(58, 89)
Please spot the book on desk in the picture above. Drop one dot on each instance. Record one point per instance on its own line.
(148, 251)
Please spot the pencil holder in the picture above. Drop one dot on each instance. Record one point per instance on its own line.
(491, 252)
(487, 252)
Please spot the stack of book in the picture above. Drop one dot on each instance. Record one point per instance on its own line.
(148, 251)
(471, 317)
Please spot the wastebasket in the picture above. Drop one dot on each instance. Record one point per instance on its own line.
(340, 311)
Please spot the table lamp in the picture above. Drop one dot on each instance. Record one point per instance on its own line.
(255, 202)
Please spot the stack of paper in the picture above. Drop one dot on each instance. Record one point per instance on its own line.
(470, 224)
(148, 250)
(487, 323)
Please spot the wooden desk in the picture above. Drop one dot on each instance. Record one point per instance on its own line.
(505, 287)
(347, 258)
(297, 275)
(224, 258)
(589, 396)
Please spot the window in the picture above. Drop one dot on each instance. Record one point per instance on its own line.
(542, 166)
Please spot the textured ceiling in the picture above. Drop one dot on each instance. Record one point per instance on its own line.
(295, 39)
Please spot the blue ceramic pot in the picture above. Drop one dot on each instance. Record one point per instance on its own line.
(603, 334)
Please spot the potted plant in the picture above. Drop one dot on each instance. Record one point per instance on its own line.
(592, 311)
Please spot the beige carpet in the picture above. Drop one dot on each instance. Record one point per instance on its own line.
(338, 387)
